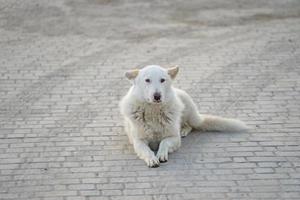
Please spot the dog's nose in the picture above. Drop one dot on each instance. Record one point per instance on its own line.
(157, 96)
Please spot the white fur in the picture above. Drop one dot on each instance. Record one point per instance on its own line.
(161, 124)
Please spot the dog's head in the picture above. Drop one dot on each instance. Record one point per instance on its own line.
(152, 84)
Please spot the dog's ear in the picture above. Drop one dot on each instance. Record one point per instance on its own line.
(132, 74)
(173, 71)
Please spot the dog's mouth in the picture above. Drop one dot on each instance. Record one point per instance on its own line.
(156, 101)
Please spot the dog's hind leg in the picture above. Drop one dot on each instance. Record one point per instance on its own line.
(185, 129)
(207, 122)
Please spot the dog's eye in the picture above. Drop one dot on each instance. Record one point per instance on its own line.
(162, 80)
(147, 80)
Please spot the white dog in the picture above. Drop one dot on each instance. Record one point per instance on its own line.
(157, 114)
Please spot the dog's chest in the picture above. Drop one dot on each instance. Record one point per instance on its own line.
(154, 120)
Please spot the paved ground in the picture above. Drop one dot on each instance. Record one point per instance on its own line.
(61, 66)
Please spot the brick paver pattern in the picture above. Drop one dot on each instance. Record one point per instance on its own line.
(61, 78)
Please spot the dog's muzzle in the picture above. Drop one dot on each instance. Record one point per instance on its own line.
(157, 97)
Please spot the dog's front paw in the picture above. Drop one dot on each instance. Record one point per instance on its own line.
(162, 154)
(152, 161)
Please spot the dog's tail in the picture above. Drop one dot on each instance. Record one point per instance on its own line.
(215, 123)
